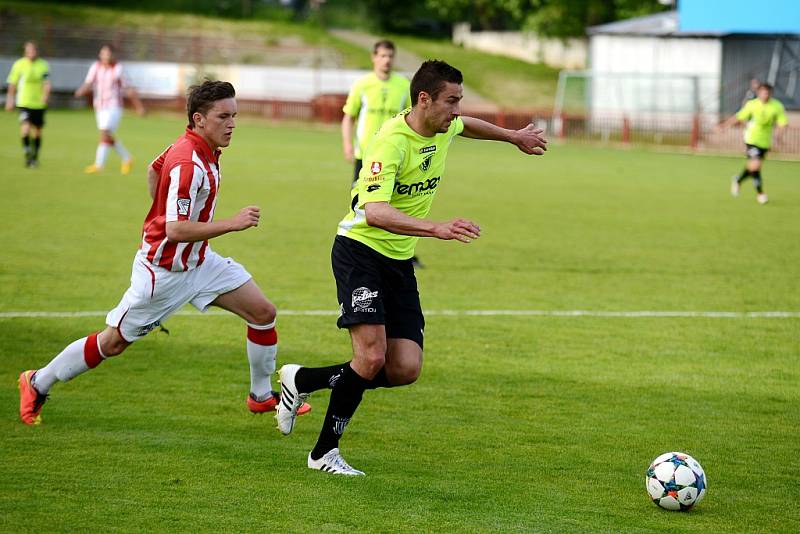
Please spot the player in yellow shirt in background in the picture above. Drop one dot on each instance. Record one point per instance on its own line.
(29, 88)
(762, 114)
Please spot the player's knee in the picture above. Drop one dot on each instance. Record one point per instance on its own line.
(373, 360)
(263, 313)
(405, 374)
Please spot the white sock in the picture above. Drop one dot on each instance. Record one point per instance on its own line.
(100, 155)
(262, 351)
(121, 150)
(66, 366)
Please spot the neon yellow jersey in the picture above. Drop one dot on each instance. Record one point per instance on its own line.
(29, 77)
(761, 119)
(403, 168)
(372, 102)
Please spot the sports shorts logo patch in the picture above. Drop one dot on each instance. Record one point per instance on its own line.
(146, 329)
(376, 167)
(362, 298)
(373, 187)
(183, 206)
(426, 163)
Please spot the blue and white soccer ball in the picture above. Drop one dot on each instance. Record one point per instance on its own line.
(676, 481)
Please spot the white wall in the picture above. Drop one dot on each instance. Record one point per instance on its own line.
(665, 64)
(557, 53)
(171, 79)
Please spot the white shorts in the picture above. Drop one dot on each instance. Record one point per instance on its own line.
(157, 293)
(108, 119)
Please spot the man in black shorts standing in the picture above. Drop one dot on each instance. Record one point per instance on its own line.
(371, 257)
(29, 88)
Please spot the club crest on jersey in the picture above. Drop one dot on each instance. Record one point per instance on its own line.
(426, 163)
(183, 206)
(376, 167)
(362, 298)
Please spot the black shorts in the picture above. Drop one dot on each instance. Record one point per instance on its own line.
(356, 169)
(374, 289)
(33, 116)
(756, 152)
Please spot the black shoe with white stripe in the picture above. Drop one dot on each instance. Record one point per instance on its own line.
(291, 399)
(333, 463)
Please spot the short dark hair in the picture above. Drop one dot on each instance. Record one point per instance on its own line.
(431, 77)
(384, 43)
(201, 97)
(766, 86)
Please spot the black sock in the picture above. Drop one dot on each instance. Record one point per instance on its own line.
(345, 398)
(26, 145)
(757, 181)
(37, 142)
(380, 380)
(309, 379)
(743, 176)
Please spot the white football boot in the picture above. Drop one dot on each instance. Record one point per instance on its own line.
(333, 463)
(735, 186)
(762, 198)
(291, 399)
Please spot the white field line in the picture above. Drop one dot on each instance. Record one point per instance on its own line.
(460, 313)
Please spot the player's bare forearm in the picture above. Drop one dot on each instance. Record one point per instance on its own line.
(529, 139)
(347, 136)
(191, 231)
(152, 181)
(46, 92)
(82, 90)
(133, 96)
(10, 93)
(382, 215)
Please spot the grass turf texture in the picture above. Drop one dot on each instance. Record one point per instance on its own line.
(517, 423)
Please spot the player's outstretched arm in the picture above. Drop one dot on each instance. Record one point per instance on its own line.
(190, 231)
(133, 96)
(83, 89)
(382, 215)
(529, 139)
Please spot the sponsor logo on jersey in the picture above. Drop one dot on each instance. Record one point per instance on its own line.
(376, 167)
(427, 149)
(373, 187)
(426, 163)
(362, 298)
(425, 187)
(183, 206)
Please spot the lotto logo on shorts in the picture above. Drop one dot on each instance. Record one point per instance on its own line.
(183, 206)
(376, 167)
(362, 298)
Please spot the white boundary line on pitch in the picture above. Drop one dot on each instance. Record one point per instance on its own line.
(461, 313)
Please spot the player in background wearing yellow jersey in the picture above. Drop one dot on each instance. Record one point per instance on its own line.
(762, 114)
(371, 256)
(29, 88)
(373, 99)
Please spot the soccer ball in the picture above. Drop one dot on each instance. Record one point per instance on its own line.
(676, 481)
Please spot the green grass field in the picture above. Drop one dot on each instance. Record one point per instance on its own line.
(518, 423)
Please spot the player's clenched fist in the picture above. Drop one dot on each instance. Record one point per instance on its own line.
(461, 229)
(246, 218)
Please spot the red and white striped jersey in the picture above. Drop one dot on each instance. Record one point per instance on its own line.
(188, 181)
(107, 81)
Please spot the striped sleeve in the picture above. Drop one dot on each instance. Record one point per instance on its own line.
(158, 163)
(185, 178)
(92, 74)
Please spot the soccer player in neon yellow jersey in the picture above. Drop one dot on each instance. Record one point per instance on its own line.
(29, 88)
(373, 99)
(371, 257)
(762, 114)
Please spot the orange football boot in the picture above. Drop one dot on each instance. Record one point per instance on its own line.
(30, 400)
(271, 403)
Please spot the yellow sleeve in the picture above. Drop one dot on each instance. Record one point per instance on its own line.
(14, 75)
(353, 104)
(745, 113)
(379, 173)
(781, 119)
